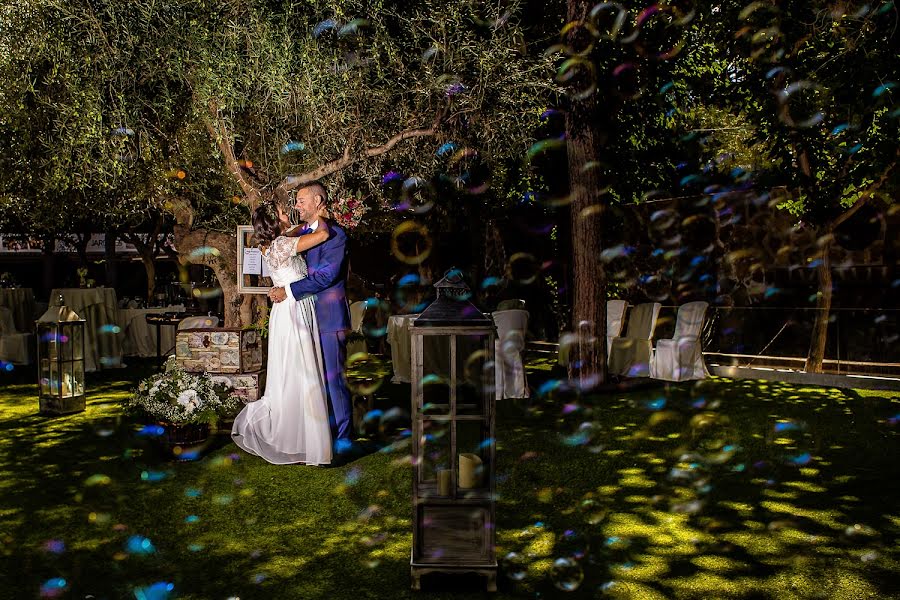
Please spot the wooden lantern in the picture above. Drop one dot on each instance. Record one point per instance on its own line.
(61, 351)
(452, 376)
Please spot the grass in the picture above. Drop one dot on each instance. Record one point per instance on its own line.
(721, 489)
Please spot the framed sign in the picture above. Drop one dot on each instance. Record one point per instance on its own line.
(252, 273)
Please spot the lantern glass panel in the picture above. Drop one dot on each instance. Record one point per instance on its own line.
(43, 340)
(78, 377)
(473, 454)
(76, 341)
(65, 341)
(45, 380)
(49, 341)
(435, 446)
(475, 373)
(435, 395)
(54, 378)
(68, 380)
(435, 375)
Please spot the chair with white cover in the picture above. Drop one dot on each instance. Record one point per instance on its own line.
(13, 344)
(509, 369)
(511, 304)
(198, 322)
(615, 318)
(630, 355)
(681, 357)
(357, 314)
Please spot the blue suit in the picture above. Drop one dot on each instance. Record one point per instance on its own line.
(327, 265)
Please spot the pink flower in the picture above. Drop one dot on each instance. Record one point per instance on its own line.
(352, 203)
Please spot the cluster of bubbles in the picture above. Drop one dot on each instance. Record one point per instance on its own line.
(348, 39)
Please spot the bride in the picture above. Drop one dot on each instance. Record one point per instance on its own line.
(289, 424)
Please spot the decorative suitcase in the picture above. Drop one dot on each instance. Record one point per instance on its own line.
(219, 350)
(246, 386)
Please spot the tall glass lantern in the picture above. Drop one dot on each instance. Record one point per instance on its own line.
(452, 376)
(60, 343)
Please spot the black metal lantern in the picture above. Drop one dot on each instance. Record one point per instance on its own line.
(452, 376)
(61, 350)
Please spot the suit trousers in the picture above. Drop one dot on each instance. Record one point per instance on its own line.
(334, 351)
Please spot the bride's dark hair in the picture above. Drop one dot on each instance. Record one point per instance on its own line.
(266, 226)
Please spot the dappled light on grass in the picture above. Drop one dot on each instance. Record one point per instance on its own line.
(723, 488)
(690, 491)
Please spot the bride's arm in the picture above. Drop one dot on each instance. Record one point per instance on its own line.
(305, 242)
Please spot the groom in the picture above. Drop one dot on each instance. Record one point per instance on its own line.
(327, 266)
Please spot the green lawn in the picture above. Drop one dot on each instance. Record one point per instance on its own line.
(716, 490)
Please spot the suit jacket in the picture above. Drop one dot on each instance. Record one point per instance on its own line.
(327, 266)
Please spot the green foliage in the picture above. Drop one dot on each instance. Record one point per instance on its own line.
(110, 99)
(799, 94)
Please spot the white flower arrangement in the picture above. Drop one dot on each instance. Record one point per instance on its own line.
(176, 396)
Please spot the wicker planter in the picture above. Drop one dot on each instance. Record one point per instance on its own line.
(184, 441)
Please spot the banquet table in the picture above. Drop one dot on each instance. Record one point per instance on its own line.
(138, 337)
(97, 306)
(21, 302)
(435, 354)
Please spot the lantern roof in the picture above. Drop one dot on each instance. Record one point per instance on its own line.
(59, 314)
(452, 306)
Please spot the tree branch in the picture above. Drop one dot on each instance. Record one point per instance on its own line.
(219, 133)
(294, 181)
(864, 198)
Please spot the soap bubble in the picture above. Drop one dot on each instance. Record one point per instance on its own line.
(515, 566)
(567, 574)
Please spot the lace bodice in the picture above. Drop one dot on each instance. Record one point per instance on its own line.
(283, 261)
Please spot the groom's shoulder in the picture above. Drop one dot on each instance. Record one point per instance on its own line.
(337, 232)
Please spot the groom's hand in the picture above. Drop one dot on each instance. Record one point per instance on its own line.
(277, 294)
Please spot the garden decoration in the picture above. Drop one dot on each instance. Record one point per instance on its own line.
(453, 437)
(60, 346)
(182, 407)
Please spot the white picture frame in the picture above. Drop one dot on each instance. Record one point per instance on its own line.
(253, 281)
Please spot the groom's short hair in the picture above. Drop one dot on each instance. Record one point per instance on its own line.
(318, 188)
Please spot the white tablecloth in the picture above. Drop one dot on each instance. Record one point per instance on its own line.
(510, 376)
(436, 351)
(20, 301)
(139, 337)
(98, 306)
(398, 338)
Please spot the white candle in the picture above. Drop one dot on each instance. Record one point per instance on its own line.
(469, 470)
(443, 478)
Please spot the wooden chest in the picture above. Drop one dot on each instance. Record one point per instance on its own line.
(220, 350)
(246, 386)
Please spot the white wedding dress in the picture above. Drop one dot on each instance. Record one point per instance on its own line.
(289, 424)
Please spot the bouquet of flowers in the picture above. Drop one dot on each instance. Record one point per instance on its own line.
(176, 396)
(348, 211)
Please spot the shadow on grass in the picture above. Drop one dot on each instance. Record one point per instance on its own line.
(720, 489)
(713, 490)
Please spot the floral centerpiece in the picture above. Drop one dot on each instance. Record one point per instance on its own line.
(7, 280)
(348, 211)
(176, 396)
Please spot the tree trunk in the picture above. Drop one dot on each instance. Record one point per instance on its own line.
(240, 310)
(47, 258)
(146, 250)
(150, 269)
(494, 250)
(816, 355)
(589, 278)
(110, 256)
